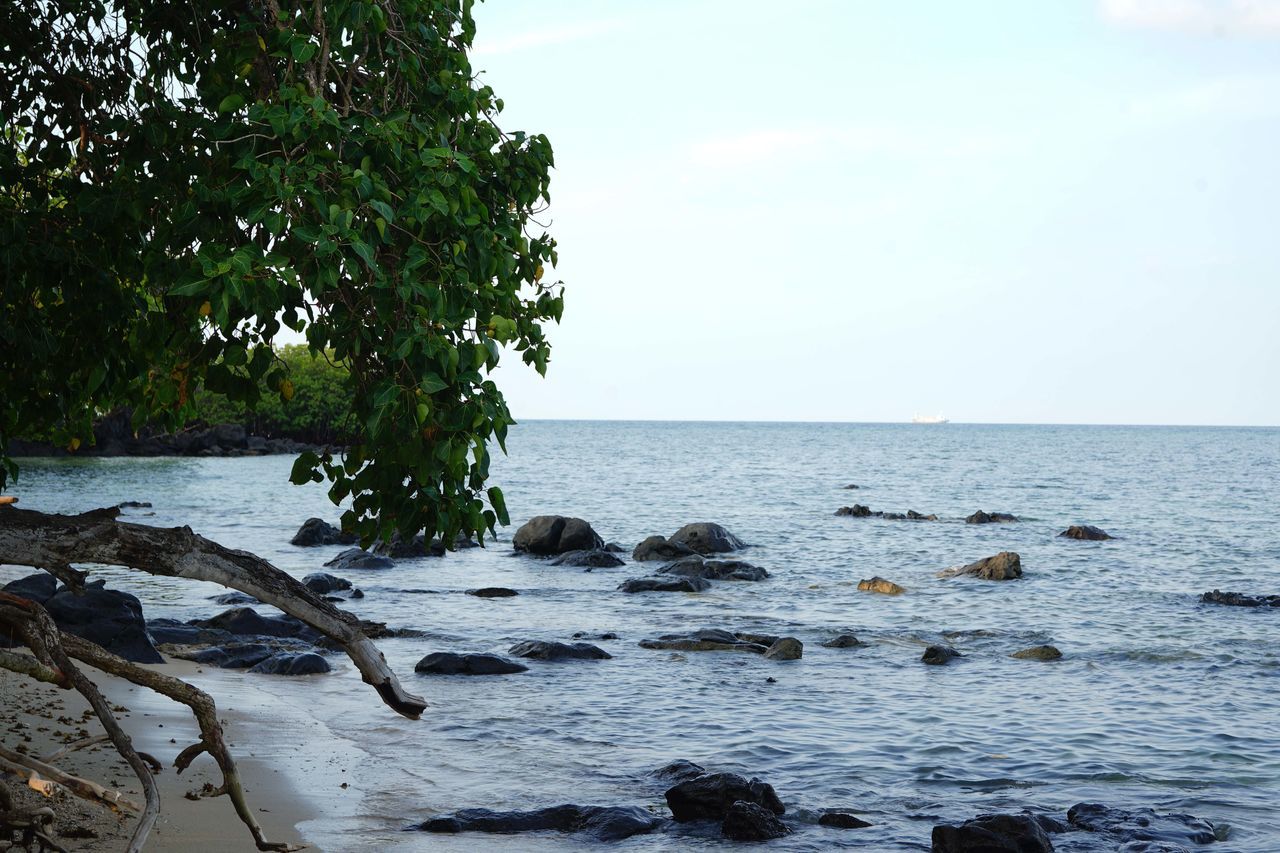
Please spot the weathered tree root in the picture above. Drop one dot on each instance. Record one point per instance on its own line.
(26, 826)
(54, 542)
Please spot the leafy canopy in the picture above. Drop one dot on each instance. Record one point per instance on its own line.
(178, 180)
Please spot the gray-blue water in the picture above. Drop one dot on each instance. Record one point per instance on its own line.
(1160, 701)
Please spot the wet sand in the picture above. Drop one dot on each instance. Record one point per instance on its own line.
(40, 718)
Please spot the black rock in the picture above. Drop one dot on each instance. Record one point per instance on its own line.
(711, 640)
(1087, 532)
(842, 820)
(583, 635)
(1126, 827)
(492, 592)
(357, 558)
(547, 535)
(855, 511)
(546, 650)
(323, 583)
(843, 641)
(234, 655)
(997, 833)
(749, 822)
(706, 538)
(108, 617)
(597, 558)
(317, 531)
(614, 548)
(912, 515)
(697, 567)
(602, 823)
(1235, 599)
(292, 663)
(981, 517)
(450, 663)
(39, 587)
(244, 621)
(851, 486)
(938, 655)
(667, 584)
(235, 598)
(659, 548)
(165, 631)
(401, 549)
(680, 770)
(134, 505)
(709, 797)
(1006, 565)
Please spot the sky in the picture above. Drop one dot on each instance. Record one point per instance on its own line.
(1053, 212)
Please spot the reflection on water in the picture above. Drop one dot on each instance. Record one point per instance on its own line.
(1160, 701)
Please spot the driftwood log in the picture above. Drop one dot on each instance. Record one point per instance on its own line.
(55, 543)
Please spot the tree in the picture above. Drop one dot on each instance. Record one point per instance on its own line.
(181, 181)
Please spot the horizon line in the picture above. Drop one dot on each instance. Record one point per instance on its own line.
(891, 423)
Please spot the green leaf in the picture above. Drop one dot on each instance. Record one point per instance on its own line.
(231, 103)
(303, 50)
(430, 383)
(499, 504)
(303, 468)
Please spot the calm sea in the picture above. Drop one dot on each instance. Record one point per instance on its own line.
(1160, 701)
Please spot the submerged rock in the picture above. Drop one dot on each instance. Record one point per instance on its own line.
(746, 821)
(994, 833)
(108, 617)
(1038, 653)
(705, 537)
(842, 820)
(679, 770)
(323, 583)
(659, 548)
(664, 584)
(697, 567)
(547, 535)
(1125, 826)
(880, 585)
(939, 655)
(981, 517)
(245, 621)
(317, 531)
(1087, 532)
(233, 655)
(843, 641)
(292, 663)
(602, 823)
(492, 592)
(235, 598)
(855, 511)
(1240, 599)
(450, 663)
(597, 558)
(710, 796)
(1006, 565)
(548, 650)
(785, 648)
(400, 548)
(709, 640)
(358, 558)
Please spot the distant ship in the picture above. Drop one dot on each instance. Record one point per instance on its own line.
(929, 419)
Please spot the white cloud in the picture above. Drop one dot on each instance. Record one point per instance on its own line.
(544, 38)
(1257, 18)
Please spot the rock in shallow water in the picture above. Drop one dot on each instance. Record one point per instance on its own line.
(749, 822)
(665, 584)
(842, 820)
(1006, 565)
(1125, 826)
(1240, 599)
(547, 650)
(996, 833)
(710, 640)
(317, 531)
(855, 511)
(39, 587)
(492, 592)
(981, 517)
(843, 641)
(323, 583)
(709, 797)
(597, 558)
(1038, 653)
(358, 558)
(108, 617)
(785, 648)
(603, 823)
(292, 663)
(880, 585)
(450, 663)
(714, 570)
(705, 537)
(546, 535)
(659, 548)
(1086, 532)
(939, 655)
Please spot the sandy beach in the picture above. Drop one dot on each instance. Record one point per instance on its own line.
(40, 719)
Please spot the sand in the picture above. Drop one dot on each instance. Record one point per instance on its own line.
(39, 718)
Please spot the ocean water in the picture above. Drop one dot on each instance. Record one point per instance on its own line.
(1160, 701)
